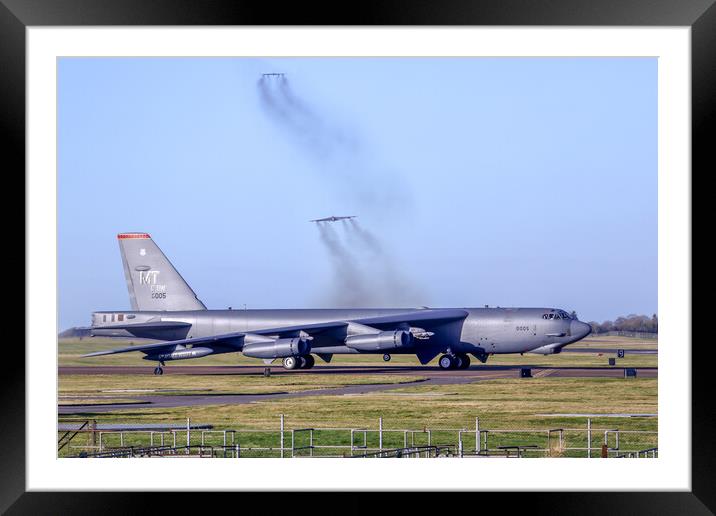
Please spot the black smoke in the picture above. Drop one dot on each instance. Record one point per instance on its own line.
(364, 273)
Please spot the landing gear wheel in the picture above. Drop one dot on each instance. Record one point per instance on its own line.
(458, 362)
(158, 371)
(446, 362)
(291, 363)
(386, 358)
(465, 361)
(307, 362)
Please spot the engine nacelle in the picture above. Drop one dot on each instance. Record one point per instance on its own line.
(382, 341)
(180, 353)
(280, 348)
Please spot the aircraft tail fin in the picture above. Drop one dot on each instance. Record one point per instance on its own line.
(152, 281)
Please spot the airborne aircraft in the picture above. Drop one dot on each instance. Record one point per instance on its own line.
(165, 308)
(333, 218)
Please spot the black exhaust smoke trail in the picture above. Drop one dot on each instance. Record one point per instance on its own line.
(350, 287)
(366, 237)
(301, 123)
(362, 184)
(394, 287)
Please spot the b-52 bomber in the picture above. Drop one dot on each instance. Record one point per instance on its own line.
(333, 218)
(165, 308)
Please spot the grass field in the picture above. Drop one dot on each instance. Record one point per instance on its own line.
(517, 406)
(509, 404)
(182, 385)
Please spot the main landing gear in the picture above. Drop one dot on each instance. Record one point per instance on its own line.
(306, 362)
(158, 371)
(454, 361)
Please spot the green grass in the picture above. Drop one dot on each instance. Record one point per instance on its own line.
(504, 404)
(138, 385)
(507, 404)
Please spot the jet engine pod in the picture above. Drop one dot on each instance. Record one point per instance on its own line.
(380, 341)
(280, 348)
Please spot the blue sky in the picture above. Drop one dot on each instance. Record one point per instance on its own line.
(500, 181)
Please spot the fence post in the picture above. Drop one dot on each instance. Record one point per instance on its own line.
(477, 435)
(93, 429)
(380, 433)
(188, 436)
(282, 436)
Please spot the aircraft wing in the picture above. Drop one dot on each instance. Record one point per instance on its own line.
(442, 322)
(159, 330)
(425, 317)
(145, 348)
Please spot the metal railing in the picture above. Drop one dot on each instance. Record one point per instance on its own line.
(378, 441)
(415, 451)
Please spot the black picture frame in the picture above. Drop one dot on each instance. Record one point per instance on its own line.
(17, 15)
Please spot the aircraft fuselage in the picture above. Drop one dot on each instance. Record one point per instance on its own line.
(484, 331)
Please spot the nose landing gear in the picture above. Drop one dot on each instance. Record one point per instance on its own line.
(158, 371)
(456, 361)
(386, 358)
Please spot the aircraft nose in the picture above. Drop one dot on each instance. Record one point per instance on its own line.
(580, 329)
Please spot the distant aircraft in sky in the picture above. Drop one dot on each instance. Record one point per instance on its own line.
(273, 74)
(165, 308)
(333, 218)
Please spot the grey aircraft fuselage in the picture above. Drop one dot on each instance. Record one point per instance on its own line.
(484, 330)
(165, 308)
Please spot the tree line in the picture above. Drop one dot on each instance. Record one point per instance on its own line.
(632, 322)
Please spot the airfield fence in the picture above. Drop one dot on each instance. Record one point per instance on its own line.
(379, 440)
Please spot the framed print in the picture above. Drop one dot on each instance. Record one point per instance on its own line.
(518, 177)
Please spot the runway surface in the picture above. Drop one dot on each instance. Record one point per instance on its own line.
(613, 351)
(431, 375)
(475, 372)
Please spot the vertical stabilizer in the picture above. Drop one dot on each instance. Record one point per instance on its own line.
(152, 281)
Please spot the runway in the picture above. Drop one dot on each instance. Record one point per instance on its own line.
(475, 372)
(613, 351)
(430, 375)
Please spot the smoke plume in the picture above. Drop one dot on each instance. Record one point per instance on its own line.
(364, 271)
(340, 157)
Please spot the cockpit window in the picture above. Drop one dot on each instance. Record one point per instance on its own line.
(561, 314)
